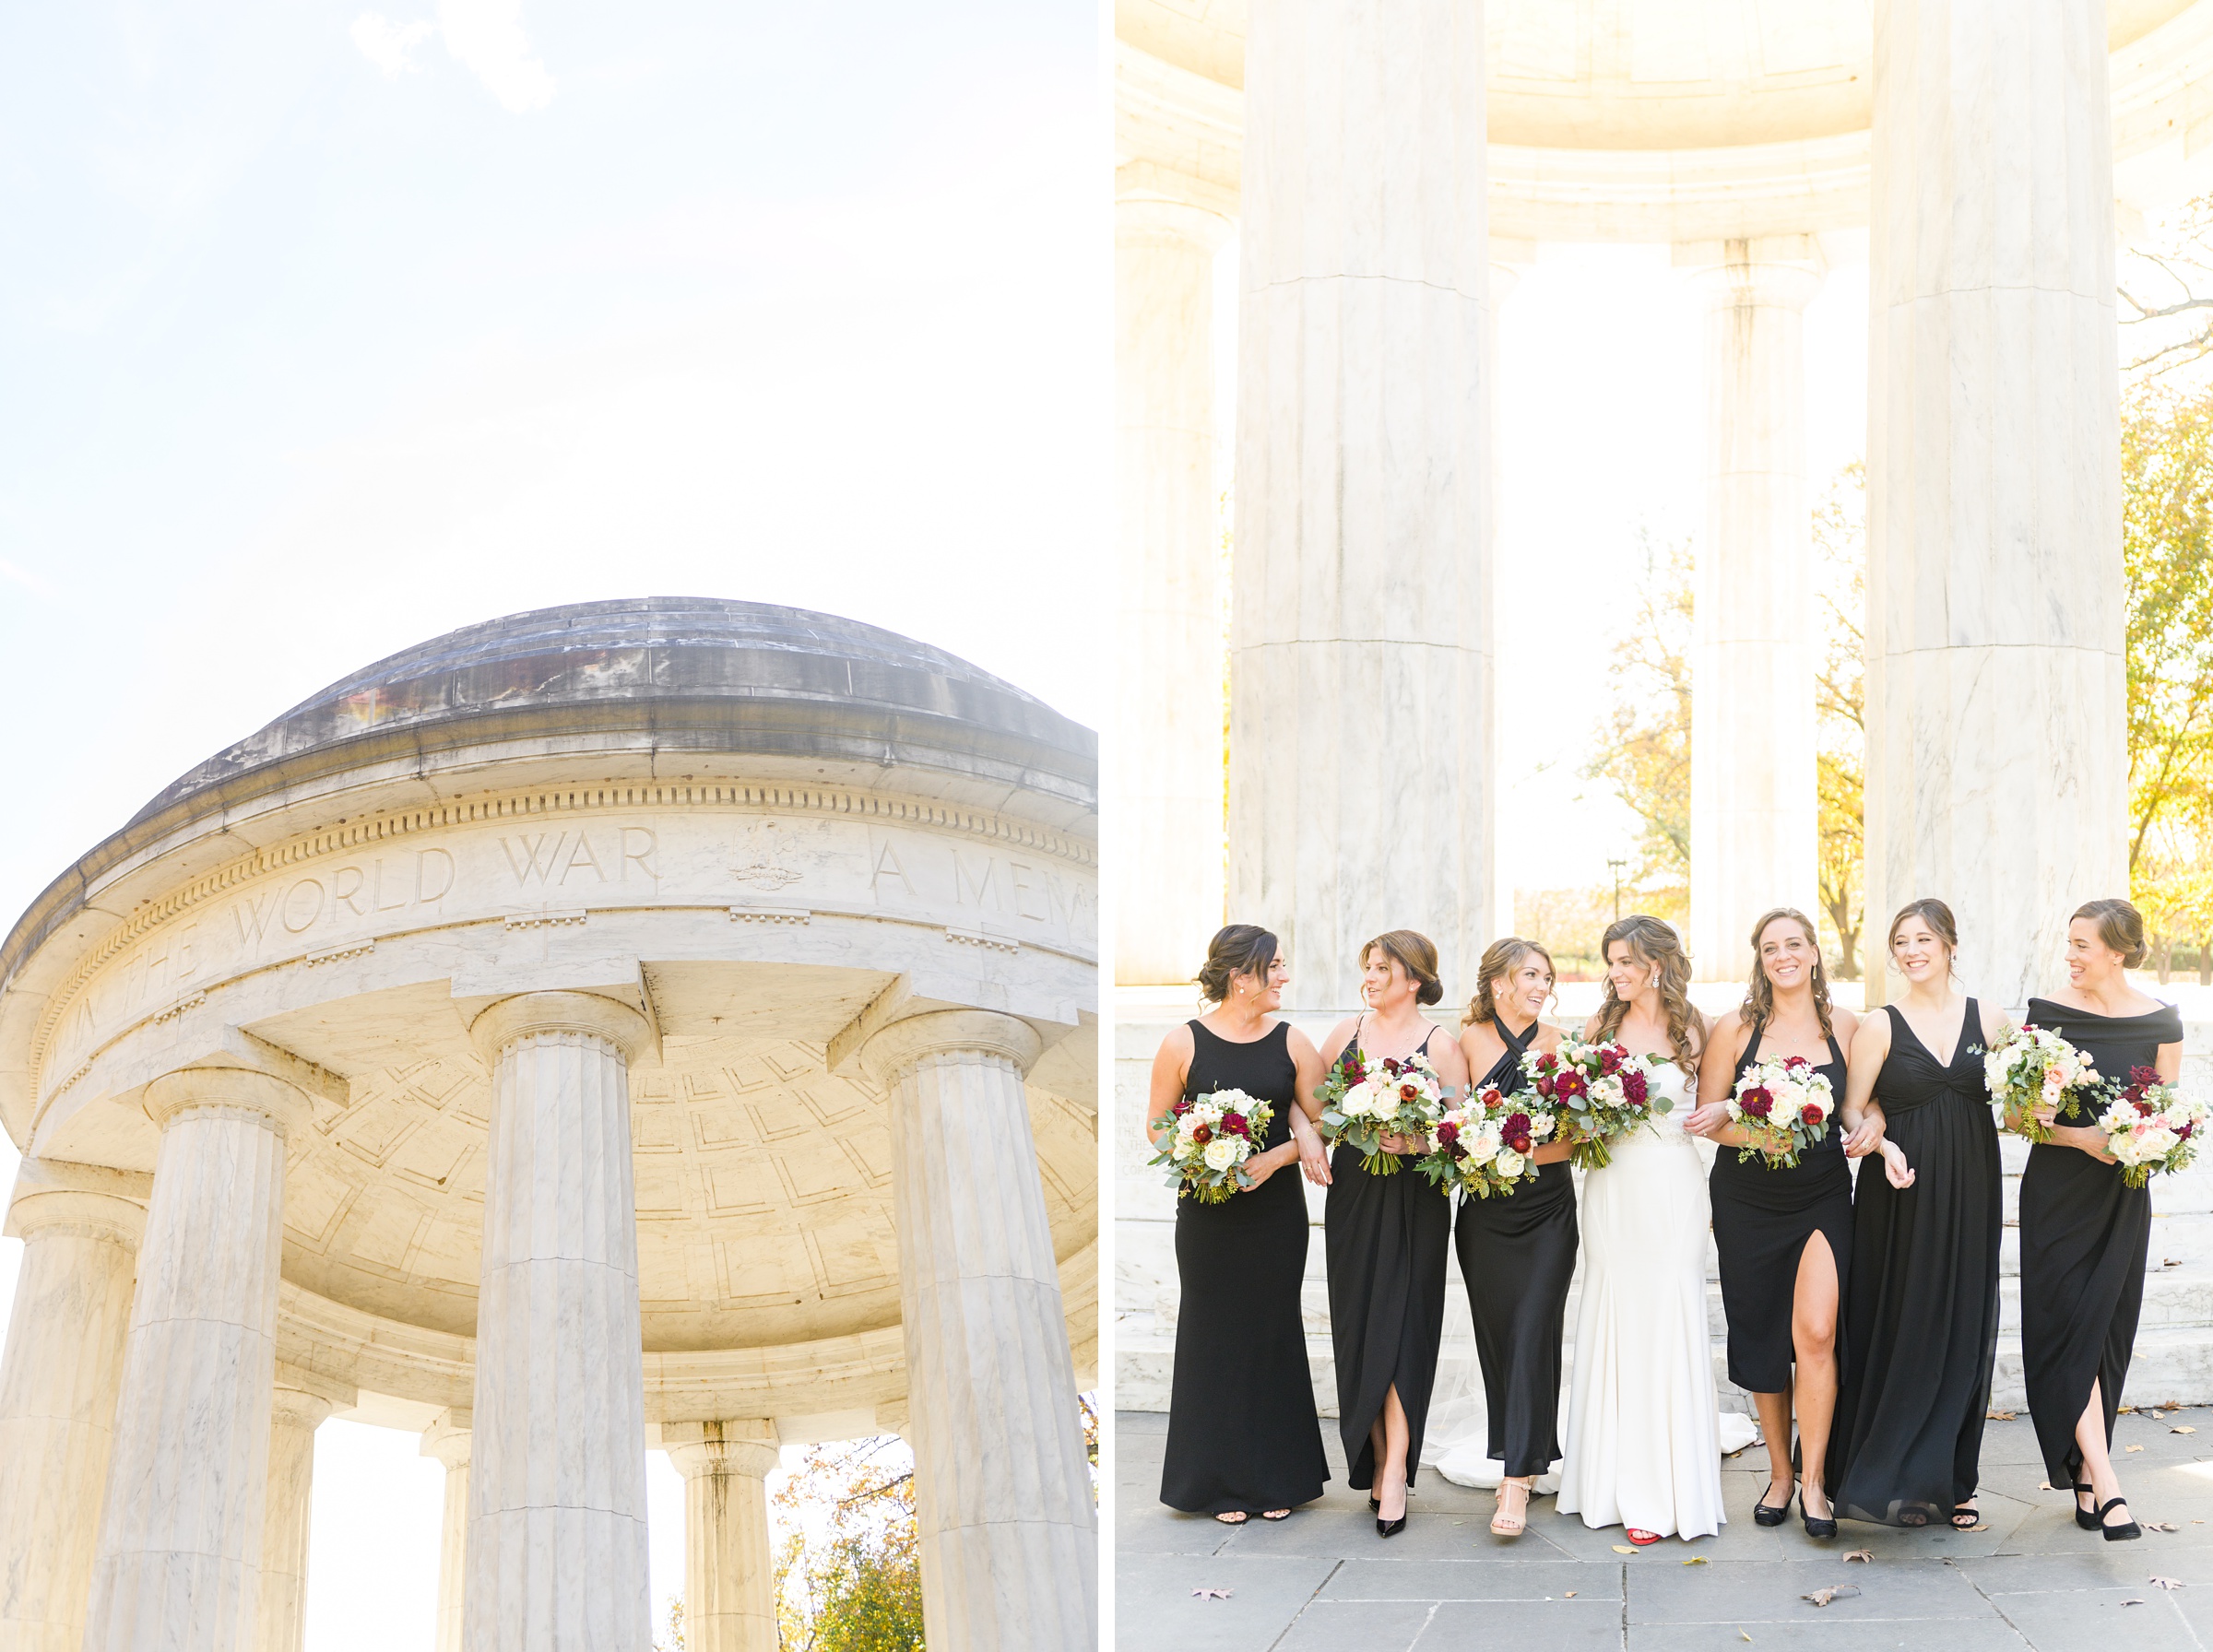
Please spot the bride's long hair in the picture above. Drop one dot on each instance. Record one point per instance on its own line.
(1654, 943)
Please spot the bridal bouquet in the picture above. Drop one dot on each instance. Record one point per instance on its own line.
(2032, 1066)
(1485, 1144)
(2151, 1126)
(1361, 1104)
(1214, 1136)
(1785, 1105)
(1596, 1091)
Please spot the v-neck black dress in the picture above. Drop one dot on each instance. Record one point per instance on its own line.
(2085, 1235)
(1920, 1319)
(1517, 1258)
(1242, 1429)
(1764, 1216)
(1385, 1237)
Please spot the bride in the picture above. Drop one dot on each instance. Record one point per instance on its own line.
(1641, 1446)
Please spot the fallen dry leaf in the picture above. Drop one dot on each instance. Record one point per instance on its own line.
(2132, 1602)
(2136, 1448)
(1841, 1591)
(2166, 1583)
(1569, 1596)
(1742, 1635)
(2159, 1526)
(1971, 1528)
(2181, 1428)
(1999, 1416)
(1696, 1560)
(1866, 1554)
(1623, 1549)
(1213, 1594)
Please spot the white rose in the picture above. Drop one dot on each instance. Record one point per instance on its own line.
(1221, 1154)
(1509, 1162)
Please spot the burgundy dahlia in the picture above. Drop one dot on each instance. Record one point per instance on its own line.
(1757, 1102)
(1811, 1113)
(1633, 1086)
(1235, 1123)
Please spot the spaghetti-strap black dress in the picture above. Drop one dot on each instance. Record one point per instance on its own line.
(1385, 1238)
(1242, 1430)
(1921, 1320)
(1517, 1258)
(2085, 1238)
(1764, 1216)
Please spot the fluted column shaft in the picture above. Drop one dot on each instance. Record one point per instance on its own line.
(294, 1417)
(1996, 749)
(557, 1484)
(181, 1535)
(1168, 861)
(59, 1380)
(448, 1440)
(730, 1564)
(1361, 621)
(1002, 1493)
(1753, 800)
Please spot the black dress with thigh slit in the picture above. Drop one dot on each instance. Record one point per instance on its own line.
(1386, 1239)
(1517, 1258)
(1764, 1216)
(1920, 1319)
(2085, 1235)
(1242, 1430)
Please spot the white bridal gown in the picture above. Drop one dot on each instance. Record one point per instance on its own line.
(1641, 1448)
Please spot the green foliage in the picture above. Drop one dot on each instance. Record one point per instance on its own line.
(1839, 701)
(1643, 748)
(849, 1569)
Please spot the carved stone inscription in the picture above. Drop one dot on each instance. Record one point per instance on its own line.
(594, 862)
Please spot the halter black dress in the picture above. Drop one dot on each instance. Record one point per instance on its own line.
(1386, 1239)
(2085, 1235)
(1517, 1258)
(1920, 1319)
(1242, 1431)
(1764, 1216)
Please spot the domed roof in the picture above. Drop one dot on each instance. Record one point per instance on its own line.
(690, 667)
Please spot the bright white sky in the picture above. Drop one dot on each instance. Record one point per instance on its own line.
(324, 331)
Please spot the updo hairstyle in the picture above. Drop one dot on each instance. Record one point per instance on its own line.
(1416, 953)
(1236, 949)
(1936, 915)
(2120, 927)
(1501, 958)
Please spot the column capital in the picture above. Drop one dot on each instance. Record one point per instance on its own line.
(233, 1090)
(1146, 220)
(1781, 270)
(448, 1438)
(586, 1012)
(298, 1407)
(942, 1031)
(747, 1447)
(48, 1197)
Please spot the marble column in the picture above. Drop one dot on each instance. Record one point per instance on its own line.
(179, 1566)
(1996, 749)
(1361, 741)
(58, 1386)
(730, 1564)
(447, 1440)
(1509, 258)
(556, 1549)
(295, 1414)
(1002, 1493)
(1754, 803)
(1167, 859)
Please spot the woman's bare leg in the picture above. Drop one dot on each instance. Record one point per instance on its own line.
(1813, 1340)
(1391, 1461)
(2097, 1461)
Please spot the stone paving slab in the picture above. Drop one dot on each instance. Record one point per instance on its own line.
(2031, 1582)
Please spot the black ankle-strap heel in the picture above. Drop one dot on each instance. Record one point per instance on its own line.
(2117, 1534)
(2083, 1517)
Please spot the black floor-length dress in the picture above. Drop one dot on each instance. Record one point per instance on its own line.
(1385, 1238)
(1920, 1319)
(1764, 1216)
(1242, 1429)
(2083, 1238)
(1517, 1258)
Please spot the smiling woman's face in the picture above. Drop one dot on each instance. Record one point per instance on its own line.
(2091, 962)
(1523, 989)
(1629, 973)
(1383, 980)
(1787, 954)
(1919, 951)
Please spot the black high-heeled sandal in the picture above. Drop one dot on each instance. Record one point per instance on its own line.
(1966, 1519)
(2117, 1534)
(2083, 1517)
(1763, 1515)
(1815, 1525)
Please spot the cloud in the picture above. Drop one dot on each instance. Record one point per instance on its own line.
(388, 44)
(487, 36)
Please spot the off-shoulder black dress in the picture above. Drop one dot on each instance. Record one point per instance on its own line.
(1517, 1258)
(2083, 1238)
(1242, 1429)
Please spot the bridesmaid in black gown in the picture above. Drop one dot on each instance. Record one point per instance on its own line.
(2083, 1232)
(1243, 1437)
(1784, 1233)
(1386, 1238)
(1517, 1254)
(1921, 1316)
